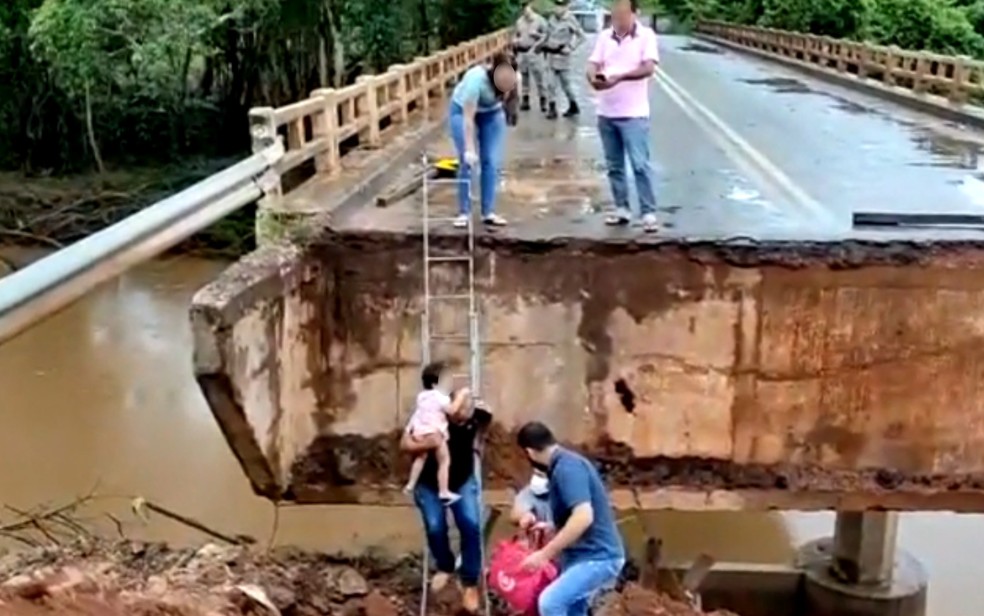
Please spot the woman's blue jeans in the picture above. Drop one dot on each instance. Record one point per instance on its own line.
(490, 131)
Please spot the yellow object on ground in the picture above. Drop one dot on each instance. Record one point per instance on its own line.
(446, 167)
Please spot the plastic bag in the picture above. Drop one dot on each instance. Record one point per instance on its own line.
(520, 589)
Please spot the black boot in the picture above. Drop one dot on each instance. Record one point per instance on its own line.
(572, 110)
(543, 105)
(525, 105)
(552, 112)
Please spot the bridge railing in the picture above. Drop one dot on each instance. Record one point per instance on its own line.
(284, 138)
(29, 295)
(318, 126)
(958, 78)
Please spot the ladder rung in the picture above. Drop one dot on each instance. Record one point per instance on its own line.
(442, 219)
(445, 181)
(460, 296)
(447, 258)
(450, 337)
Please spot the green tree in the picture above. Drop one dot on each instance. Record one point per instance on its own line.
(150, 81)
(837, 18)
(935, 25)
(118, 52)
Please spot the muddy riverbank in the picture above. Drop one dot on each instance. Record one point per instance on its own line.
(51, 212)
(109, 578)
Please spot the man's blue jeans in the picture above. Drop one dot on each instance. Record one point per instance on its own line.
(490, 131)
(628, 137)
(572, 592)
(467, 517)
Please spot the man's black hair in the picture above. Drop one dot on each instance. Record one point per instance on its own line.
(634, 4)
(536, 436)
(432, 374)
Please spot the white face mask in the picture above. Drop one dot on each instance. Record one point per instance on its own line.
(539, 485)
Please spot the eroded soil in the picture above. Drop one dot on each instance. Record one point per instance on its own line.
(97, 578)
(348, 461)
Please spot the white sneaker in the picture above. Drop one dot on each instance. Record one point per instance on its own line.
(461, 222)
(650, 224)
(618, 217)
(440, 581)
(495, 220)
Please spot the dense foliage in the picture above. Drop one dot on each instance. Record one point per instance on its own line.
(945, 26)
(161, 81)
(153, 81)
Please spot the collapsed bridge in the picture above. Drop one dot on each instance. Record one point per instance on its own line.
(758, 353)
(796, 376)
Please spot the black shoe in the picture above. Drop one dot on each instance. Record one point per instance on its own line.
(543, 105)
(525, 105)
(572, 110)
(552, 112)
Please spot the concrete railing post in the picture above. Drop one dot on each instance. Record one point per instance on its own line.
(263, 134)
(371, 109)
(923, 65)
(421, 61)
(956, 94)
(403, 111)
(325, 125)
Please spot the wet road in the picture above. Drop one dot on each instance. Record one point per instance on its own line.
(742, 148)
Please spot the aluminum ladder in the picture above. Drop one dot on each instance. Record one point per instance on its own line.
(471, 338)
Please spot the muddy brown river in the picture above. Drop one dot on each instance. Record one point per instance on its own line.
(103, 394)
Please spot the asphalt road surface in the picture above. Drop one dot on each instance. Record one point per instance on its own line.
(743, 148)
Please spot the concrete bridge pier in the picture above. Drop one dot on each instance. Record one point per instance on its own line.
(861, 571)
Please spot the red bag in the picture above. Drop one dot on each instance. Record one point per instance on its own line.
(519, 588)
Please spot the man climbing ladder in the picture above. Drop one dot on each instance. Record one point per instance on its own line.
(464, 429)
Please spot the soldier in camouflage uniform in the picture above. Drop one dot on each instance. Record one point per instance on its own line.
(530, 32)
(564, 35)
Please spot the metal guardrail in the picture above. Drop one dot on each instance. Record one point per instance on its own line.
(43, 288)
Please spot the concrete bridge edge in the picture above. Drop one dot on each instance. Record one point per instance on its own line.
(215, 309)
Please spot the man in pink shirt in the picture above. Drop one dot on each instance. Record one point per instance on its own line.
(619, 69)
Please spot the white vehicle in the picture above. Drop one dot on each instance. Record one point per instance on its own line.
(590, 15)
(591, 20)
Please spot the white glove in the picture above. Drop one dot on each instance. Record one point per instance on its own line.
(471, 158)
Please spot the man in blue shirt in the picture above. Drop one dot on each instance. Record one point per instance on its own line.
(587, 540)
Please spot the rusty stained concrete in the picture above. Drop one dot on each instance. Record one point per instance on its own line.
(799, 376)
(839, 370)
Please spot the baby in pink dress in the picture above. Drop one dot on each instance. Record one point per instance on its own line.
(429, 424)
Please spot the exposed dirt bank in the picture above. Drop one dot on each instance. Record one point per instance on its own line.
(97, 578)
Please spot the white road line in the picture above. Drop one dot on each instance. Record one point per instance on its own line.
(741, 151)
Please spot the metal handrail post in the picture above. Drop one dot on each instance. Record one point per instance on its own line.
(29, 295)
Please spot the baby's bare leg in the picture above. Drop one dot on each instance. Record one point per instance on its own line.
(443, 468)
(415, 469)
